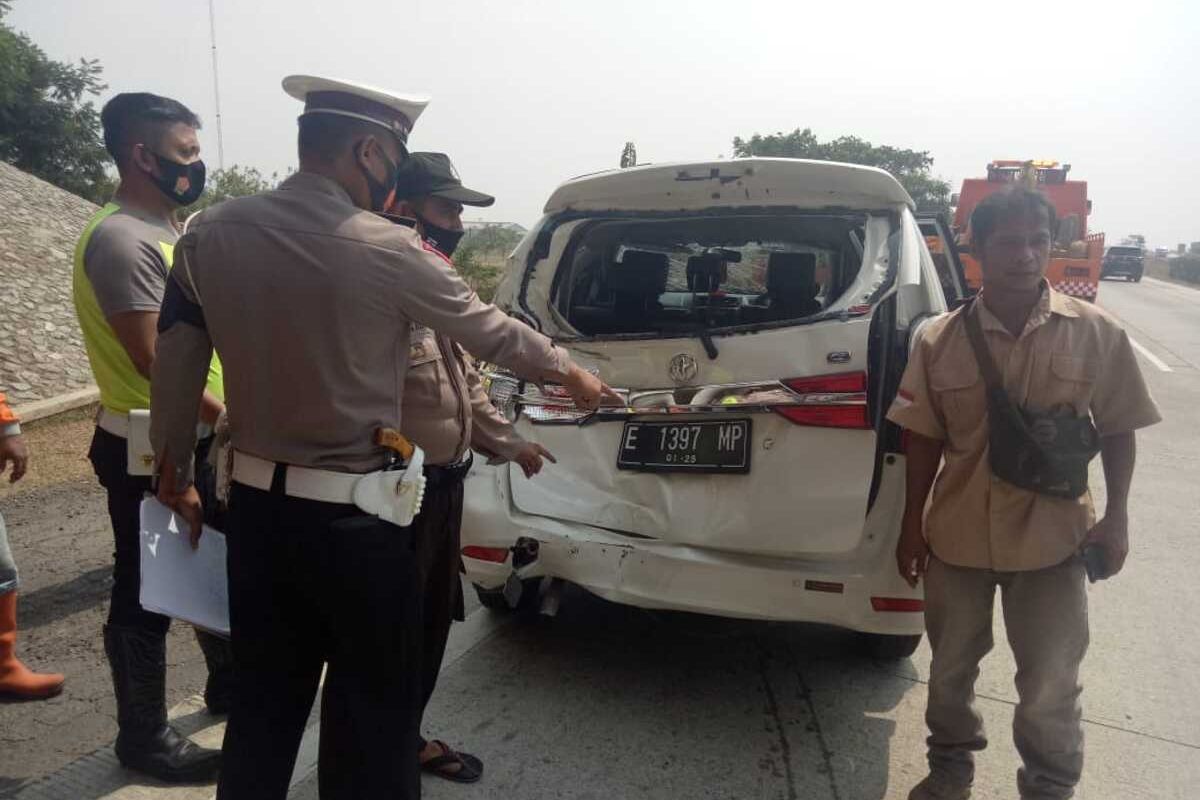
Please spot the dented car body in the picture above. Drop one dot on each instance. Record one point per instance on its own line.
(755, 315)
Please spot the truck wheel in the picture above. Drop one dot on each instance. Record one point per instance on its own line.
(885, 646)
(1137, 278)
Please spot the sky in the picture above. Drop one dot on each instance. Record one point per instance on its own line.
(528, 94)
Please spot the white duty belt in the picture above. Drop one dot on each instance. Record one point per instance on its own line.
(392, 495)
(120, 425)
(134, 428)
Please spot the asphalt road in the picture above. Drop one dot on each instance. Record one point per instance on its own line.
(63, 546)
(611, 702)
(59, 530)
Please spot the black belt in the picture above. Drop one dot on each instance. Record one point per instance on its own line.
(439, 477)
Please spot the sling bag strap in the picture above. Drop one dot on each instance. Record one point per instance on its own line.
(991, 375)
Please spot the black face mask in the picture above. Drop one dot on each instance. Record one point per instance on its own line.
(182, 183)
(382, 194)
(444, 239)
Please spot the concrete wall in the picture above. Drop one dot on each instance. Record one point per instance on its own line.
(41, 352)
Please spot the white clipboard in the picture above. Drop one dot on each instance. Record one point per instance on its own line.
(177, 581)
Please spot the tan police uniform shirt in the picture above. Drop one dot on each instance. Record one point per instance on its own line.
(310, 303)
(446, 409)
(1071, 353)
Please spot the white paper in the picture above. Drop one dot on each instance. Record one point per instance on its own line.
(180, 582)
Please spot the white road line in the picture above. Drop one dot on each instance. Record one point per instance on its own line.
(1153, 359)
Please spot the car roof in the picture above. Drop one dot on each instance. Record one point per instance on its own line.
(738, 182)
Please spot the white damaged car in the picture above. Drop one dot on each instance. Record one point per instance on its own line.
(756, 314)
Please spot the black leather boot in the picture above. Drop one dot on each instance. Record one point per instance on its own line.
(146, 742)
(218, 655)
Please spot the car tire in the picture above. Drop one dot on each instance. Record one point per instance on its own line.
(1137, 278)
(887, 646)
(494, 600)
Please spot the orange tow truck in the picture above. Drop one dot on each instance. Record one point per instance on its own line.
(1075, 254)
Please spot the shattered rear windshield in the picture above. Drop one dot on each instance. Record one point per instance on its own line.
(688, 275)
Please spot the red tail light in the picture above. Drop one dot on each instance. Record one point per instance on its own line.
(908, 604)
(828, 401)
(841, 383)
(826, 416)
(497, 555)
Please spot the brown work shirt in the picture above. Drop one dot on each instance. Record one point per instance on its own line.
(1070, 353)
(310, 303)
(446, 409)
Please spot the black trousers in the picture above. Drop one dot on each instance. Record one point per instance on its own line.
(437, 532)
(108, 455)
(312, 584)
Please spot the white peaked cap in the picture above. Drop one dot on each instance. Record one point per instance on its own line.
(396, 112)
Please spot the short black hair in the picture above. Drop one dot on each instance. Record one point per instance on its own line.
(324, 136)
(133, 117)
(1006, 204)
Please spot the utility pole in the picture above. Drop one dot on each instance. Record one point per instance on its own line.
(212, 29)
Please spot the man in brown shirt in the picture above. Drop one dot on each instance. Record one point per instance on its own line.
(310, 299)
(447, 412)
(980, 532)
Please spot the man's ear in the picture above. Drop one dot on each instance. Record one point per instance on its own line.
(141, 157)
(976, 248)
(362, 150)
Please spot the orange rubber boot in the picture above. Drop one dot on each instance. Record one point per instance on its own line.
(15, 678)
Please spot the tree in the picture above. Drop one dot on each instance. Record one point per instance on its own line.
(236, 181)
(48, 127)
(913, 168)
(481, 256)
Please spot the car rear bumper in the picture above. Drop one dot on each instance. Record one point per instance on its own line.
(652, 574)
(1121, 269)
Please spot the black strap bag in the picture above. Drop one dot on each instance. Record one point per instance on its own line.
(1044, 452)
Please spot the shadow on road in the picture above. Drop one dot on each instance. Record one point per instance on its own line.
(60, 600)
(610, 701)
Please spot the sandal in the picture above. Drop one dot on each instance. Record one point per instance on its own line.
(470, 768)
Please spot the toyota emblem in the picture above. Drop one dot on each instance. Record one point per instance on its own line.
(682, 368)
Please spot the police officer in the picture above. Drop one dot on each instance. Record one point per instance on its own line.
(447, 412)
(310, 299)
(121, 266)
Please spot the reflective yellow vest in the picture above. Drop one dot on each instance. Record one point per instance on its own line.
(122, 387)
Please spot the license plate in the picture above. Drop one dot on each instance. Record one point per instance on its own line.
(716, 446)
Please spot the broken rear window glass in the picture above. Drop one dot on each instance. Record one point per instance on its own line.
(694, 274)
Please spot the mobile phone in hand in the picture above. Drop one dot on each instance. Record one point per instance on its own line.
(1095, 563)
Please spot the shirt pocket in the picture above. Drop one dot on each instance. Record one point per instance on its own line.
(1071, 380)
(426, 376)
(961, 397)
(423, 350)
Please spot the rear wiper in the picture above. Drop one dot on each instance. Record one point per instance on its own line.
(710, 347)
